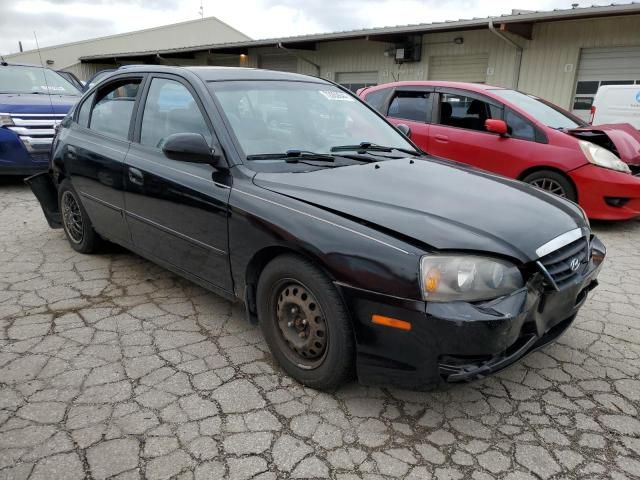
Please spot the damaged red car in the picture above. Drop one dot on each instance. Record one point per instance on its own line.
(520, 136)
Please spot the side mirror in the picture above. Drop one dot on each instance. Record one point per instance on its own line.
(404, 129)
(189, 147)
(497, 126)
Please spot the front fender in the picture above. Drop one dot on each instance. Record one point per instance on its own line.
(350, 253)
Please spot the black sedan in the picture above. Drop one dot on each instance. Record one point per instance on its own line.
(356, 252)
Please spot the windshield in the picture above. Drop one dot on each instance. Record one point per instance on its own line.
(271, 117)
(21, 79)
(542, 111)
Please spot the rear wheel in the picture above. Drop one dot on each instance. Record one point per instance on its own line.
(77, 225)
(305, 323)
(552, 182)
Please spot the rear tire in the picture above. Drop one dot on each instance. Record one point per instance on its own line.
(77, 225)
(305, 323)
(552, 182)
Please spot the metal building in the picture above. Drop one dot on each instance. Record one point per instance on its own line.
(559, 55)
(181, 35)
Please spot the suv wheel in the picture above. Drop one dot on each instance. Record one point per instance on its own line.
(305, 323)
(77, 225)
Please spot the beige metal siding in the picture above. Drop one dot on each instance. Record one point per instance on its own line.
(284, 62)
(369, 56)
(550, 63)
(459, 68)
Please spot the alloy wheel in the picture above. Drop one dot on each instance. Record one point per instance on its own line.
(550, 185)
(302, 329)
(72, 217)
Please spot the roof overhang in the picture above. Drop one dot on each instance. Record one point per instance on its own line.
(520, 23)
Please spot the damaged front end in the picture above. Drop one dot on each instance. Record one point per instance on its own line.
(621, 139)
(44, 188)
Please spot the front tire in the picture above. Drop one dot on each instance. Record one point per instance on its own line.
(305, 323)
(552, 182)
(77, 225)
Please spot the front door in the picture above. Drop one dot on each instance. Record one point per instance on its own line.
(459, 134)
(177, 213)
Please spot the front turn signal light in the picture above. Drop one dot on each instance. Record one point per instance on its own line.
(391, 322)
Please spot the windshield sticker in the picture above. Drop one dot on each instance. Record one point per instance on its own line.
(336, 96)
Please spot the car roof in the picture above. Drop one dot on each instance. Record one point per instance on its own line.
(474, 87)
(217, 74)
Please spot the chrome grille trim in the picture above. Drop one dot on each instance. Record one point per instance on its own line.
(36, 130)
(565, 264)
(560, 241)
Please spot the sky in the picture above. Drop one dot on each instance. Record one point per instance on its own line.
(62, 21)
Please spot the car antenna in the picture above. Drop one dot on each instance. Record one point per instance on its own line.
(44, 71)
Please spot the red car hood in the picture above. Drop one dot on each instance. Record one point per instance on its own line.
(621, 138)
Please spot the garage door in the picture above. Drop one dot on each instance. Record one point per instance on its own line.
(459, 68)
(281, 62)
(356, 80)
(603, 66)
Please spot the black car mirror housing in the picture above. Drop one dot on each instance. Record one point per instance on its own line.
(190, 147)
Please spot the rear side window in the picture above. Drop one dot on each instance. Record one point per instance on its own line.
(85, 109)
(377, 99)
(111, 114)
(414, 106)
(170, 108)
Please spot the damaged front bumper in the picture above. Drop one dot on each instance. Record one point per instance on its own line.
(460, 341)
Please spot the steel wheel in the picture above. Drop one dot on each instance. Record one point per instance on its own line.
(72, 217)
(301, 325)
(550, 185)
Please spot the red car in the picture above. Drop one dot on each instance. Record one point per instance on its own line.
(520, 136)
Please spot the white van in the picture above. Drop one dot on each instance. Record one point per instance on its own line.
(617, 104)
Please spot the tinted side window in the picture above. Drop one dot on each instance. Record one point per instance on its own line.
(111, 114)
(415, 106)
(376, 99)
(519, 127)
(170, 108)
(85, 109)
(466, 112)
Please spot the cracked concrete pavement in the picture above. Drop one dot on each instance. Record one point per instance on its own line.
(111, 367)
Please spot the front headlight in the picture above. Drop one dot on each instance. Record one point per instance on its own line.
(602, 157)
(467, 278)
(5, 119)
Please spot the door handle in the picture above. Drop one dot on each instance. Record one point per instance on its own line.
(441, 138)
(135, 176)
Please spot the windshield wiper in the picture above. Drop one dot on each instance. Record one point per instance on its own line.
(293, 156)
(372, 147)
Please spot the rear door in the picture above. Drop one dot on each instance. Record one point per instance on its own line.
(177, 211)
(413, 107)
(96, 146)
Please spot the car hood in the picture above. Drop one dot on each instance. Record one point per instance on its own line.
(36, 103)
(433, 204)
(621, 138)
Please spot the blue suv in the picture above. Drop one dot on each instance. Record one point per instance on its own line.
(33, 101)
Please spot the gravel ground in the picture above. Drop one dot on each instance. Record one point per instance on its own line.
(111, 367)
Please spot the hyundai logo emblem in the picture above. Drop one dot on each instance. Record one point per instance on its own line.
(574, 264)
